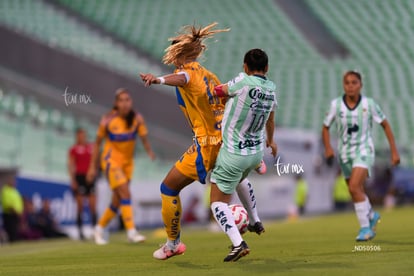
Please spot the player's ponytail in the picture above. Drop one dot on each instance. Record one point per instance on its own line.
(188, 44)
(130, 117)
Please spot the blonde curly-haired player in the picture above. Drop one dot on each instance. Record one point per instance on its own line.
(204, 111)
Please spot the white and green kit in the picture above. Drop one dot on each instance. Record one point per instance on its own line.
(354, 130)
(251, 99)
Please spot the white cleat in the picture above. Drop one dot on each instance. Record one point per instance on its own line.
(98, 235)
(135, 237)
(164, 252)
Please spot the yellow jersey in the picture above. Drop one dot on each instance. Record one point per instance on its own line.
(202, 109)
(119, 139)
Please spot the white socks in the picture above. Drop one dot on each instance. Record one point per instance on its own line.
(131, 232)
(364, 212)
(247, 198)
(370, 211)
(225, 219)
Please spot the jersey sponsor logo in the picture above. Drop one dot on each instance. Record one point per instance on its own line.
(174, 226)
(260, 106)
(352, 128)
(249, 143)
(257, 93)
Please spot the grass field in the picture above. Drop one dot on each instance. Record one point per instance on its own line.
(315, 246)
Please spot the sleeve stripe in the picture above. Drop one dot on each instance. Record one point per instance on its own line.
(187, 76)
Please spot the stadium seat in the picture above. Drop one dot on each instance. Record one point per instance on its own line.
(378, 37)
(44, 22)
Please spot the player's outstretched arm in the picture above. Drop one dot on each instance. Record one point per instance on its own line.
(221, 90)
(147, 147)
(326, 139)
(93, 166)
(171, 79)
(270, 130)
(395, 156)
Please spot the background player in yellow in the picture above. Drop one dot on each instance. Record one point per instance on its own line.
(119, 128)
(204, 111)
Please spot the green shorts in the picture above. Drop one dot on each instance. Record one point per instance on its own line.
(366, 161)
(230, 169)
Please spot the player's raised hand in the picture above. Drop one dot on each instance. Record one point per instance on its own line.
(149, 79)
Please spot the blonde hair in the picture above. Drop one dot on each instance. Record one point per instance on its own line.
(189, 44)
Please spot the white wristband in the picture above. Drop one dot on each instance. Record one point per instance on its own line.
(161, 79)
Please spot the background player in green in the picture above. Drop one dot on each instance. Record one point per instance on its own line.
(353, 114)
(249, 110)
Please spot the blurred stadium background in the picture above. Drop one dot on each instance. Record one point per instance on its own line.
(93, 47)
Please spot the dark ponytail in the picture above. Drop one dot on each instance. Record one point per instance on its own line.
(129, 119)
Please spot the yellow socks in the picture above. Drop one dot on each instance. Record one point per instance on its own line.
(171, 213)
(127, 214)
(107, 216)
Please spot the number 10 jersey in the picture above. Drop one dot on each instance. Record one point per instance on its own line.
(251, 99)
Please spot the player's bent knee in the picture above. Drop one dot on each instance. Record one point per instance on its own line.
(216, 195)
(165, 190)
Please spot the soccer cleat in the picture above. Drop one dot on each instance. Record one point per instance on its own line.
(261, 168)
(376, 218)
(257, 228)
(136, 238)
(365, 234)
(164, 252)
(237, 252)
(99, 236)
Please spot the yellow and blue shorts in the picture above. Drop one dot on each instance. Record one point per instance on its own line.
(117, 174)
(197, 161)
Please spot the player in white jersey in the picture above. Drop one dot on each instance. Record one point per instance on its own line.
(354, 114)
(249, 111)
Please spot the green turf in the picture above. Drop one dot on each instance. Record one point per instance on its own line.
(316, 246)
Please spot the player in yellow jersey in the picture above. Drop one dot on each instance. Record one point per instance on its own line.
(204, 111)
(119, 128)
